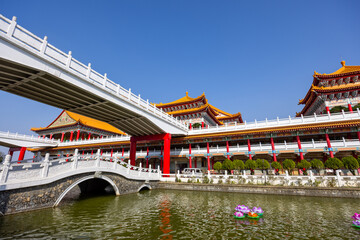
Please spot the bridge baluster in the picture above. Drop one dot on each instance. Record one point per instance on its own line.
(97, 161)
(139, 168)
(149, 170)
(44, 45)
(75, 159)
(46, 165)
(5, 169)
(12, 27)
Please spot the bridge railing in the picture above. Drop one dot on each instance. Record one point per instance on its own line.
(11, 30)
(27, 137)
(26, 174)
(278, 122)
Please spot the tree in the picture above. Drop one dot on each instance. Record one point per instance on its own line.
(304, 165)
(317, 164)
(217, 166)
(262, 164)
(338, 109)
(289, 165)
(276, 166)
(334, 164)
(239, 165)
(196, 125)
(350, 163)
(251, 165)
(228, 165)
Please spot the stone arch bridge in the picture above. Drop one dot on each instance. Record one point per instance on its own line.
(30, 186)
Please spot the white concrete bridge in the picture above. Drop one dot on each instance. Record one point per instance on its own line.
(33, 68)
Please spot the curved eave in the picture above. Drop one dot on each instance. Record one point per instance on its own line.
(182, 102)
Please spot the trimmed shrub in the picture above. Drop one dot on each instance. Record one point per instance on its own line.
(251, 165)
(317, 164)
(262, 164)
(277, 166)
(334, 163)
(239, 165)
(228, 165)
(350, 163)
(289, 165)
(304, 165)
(217, 166)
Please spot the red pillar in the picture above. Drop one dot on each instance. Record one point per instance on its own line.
(92, 152)
(249, 149)
(208, 156)
(327, 109)
(147, 157)
(190, 126)
(350, 108)
(78, 135)
(62, 137)
(358, 135)
(329, 145)
(112, 151)
(22, 154)
(273, 149)
(71, 136)
(132, 151)
(300, 149)
(51, 136)
(43, 136)
(89, 136)
(227, 150)
(190, 162)
(101, 152)
(167, 140)
(202, 125)
(122, 152)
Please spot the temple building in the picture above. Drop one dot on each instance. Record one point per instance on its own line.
(216, 135)
(337, 89)
(69, 126)
(197, 111)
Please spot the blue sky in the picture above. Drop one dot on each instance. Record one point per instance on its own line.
(253, 57)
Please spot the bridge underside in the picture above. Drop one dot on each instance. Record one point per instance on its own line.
(52, 90)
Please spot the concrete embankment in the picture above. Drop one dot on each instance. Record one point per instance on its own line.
(263, 189)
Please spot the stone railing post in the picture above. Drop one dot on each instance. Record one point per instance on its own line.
(178, 174)
(209, 176)
(75, 159)
(338, 177)
(149, 170)
(128, 169)
(287, 177)
(158, 171)
(140, 169)
(5, 169)
(116, 159)
(97, 161)
(45, 166)
(226, 176)
(312, 178)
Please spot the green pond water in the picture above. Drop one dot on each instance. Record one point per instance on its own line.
(167, 214)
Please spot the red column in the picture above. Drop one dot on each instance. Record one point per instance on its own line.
(22, 154)
(358, 135)
(327, 108)
(147, 157)
(78, 135)
(249, 149)
(300, 149)
(273, 149)
(202, 125)
(122, 152)
(92, 152)
(112, 151)
(132, 151)
(62, 137)
(227, 150)
(190, 126)
(190, 162)
(89, 136)
(350, 107)
(71, 136)
(44, 136)
(329, 145)
(51, 136)
(167, 140)
(101, 152)
(208, 156)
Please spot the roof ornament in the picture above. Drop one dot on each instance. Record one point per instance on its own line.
(187, 93)
(342, 63)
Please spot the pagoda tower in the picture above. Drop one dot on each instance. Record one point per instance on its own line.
(333, 92)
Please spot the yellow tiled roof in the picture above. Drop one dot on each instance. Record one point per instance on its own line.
(181, 100)
(87, 121)
(343, 70)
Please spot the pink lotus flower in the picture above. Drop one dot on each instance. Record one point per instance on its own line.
(257, 210)
(356, 216)
(238, 214)
(242, 208)
(357, 222)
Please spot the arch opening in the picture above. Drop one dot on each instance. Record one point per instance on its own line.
(144, 188)
(88, 187)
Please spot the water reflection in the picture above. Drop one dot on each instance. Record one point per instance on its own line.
(160, 214)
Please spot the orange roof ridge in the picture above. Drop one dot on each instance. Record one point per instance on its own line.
(184, 99)
(343, 70)
(221, 111)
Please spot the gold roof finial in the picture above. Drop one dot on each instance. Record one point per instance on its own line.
(187, 93)
(342, 63)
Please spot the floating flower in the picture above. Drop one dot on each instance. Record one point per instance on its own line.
(242, 208)
(356, 216)
(258, 210)
(253, 214)
(238, 215)
(357, 223)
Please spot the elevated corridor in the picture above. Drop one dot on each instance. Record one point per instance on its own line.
(33, 68)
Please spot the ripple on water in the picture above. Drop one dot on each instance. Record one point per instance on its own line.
(161, 214)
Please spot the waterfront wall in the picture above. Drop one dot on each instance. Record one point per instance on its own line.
(49, 195)
(264, 189)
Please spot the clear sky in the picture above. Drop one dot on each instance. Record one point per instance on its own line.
(253, 57)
